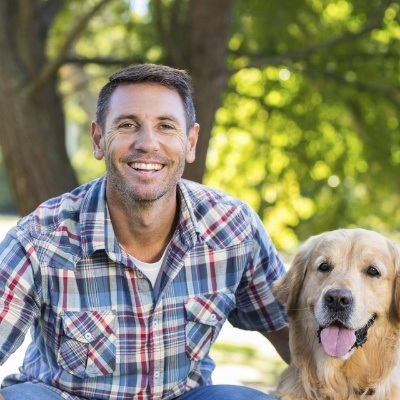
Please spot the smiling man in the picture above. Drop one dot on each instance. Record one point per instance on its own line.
(127, 280)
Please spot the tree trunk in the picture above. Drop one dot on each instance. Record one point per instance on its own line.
(204, 54)
(31, 123)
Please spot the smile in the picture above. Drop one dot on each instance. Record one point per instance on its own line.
(146, 166)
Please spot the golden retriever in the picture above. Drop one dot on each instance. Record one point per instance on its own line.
(342, 298)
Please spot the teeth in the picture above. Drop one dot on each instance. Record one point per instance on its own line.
(147, 167)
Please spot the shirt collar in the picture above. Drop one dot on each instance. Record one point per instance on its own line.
(188, 230)
(96, 229)
(97, 232)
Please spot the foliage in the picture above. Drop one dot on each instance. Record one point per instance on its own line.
(312, 143)
(263, 371)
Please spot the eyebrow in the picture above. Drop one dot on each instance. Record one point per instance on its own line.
(136, 118)
(123, 116)
(169, 118)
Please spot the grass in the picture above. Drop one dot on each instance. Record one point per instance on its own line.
(8, 219)
(259, 371)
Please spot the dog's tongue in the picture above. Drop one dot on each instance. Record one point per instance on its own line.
(337, 341)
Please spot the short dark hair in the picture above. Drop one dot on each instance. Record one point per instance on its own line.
(169, 77)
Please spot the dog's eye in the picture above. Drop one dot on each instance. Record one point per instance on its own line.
(324, 267)
(373, 271)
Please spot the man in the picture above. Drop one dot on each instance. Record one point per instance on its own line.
(127, 280)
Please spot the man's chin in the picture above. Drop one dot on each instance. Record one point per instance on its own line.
(135, 192)
(139, 195)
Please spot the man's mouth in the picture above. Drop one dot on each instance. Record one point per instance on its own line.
(337, 340)
(146, 166)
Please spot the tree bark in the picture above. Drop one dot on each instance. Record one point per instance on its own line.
(31, 124)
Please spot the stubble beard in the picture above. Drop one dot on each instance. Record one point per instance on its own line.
(131, 198)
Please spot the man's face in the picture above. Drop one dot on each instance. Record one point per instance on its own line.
(145, 143)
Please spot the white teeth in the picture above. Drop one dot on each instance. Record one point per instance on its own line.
(147, 167)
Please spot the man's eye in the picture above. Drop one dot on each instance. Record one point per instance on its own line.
(166, 127)
(126, 125)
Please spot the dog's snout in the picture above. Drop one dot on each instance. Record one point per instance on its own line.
(338, 299)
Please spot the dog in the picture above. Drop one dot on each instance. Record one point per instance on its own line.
(342, 299)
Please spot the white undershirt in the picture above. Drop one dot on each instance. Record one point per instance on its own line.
(151, 270)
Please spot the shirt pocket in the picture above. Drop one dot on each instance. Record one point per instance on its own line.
(205, 315)
(88, 343)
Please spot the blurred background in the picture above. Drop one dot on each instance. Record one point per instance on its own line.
(298, 102)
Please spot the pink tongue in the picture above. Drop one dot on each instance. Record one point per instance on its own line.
(337, 341)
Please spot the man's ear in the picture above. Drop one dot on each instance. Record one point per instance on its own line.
(97, 141)
(191, 144)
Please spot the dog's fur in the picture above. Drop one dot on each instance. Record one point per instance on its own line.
(345, 259)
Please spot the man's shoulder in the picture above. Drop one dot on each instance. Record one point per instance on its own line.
(52, 213)
(207, 196)
(222, 219)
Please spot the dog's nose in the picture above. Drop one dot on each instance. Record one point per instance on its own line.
(338, 299)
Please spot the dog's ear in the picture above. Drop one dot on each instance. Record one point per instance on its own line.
(395, 308)
(288, 288)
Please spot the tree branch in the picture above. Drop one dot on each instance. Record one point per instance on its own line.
(388, 92)
(51, 68)
(375, 22)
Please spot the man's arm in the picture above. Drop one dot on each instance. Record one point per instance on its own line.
(19, 295)
(280, 340)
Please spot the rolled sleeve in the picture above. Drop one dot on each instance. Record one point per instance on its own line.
(256, 305)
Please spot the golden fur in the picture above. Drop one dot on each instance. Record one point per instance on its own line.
(368, 372)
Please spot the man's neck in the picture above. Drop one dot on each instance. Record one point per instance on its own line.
(144, 231)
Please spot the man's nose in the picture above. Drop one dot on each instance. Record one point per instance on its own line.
(147, 139)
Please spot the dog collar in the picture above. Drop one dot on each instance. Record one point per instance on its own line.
(361, 334)
(365, 392)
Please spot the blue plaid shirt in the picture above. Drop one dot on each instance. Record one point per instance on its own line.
(98, 331)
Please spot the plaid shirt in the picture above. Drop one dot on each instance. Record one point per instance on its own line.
(98, 331)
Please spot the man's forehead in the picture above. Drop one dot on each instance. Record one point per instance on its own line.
(146, 101)
(146, 98)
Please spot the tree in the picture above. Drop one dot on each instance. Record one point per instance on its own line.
(31, 116)
(309, 128)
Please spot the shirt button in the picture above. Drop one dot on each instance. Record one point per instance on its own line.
(155, 324)
(88, 336)
(156, 374)
(139, 275)
(213, 317)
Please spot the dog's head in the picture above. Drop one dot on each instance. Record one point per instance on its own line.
(340, 283)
